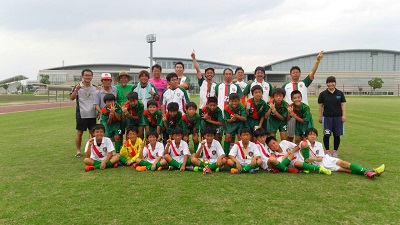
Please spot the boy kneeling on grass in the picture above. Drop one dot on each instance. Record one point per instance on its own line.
(99, 151)
(244, 155)
(312, 152)
(177, 151)
(151, 157)
(210, 149)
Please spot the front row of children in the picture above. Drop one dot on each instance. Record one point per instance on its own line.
(245, 155)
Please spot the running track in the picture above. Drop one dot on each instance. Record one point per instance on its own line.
(31, 107)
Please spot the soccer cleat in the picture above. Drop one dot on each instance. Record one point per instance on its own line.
(324, 170)
(171, 168)
(198, 169)
(115, 165)
(217, 170)
(378, 171)
(159, 168)
(189, 168)
(88, 168)
(235, 171)
(141, 168)
(251, 171)
(328, 152)
(335, 154)
(306, 171)
(274, 170)
(207, 170)
(134, 165)
(293, 170)
(370, 174)
(120, 164)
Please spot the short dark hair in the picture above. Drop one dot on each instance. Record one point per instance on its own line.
(152, 102)
(152, 133)
(295, 68)
(132, 129)
(311, 130)
(132, 95)
(233, 96)
(173, 106)
(209, 68)
(260, 132)
(295, 92)
(191, 104)
(98, 127)
(177, 130)
(259, 68)
(245, 130)
(179, 63)
(171, 75)
(331, 79)
(270, 138)
(86, 70)
(109, 97)
(156, 66)
(226, 70)
(209, 130)
(144, 73)
(256, 87)
(239, 68)
(279, 91)
(212, 100)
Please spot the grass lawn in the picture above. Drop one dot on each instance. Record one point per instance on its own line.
(42, 183)
(30, 98)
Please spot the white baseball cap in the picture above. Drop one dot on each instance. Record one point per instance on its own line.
(106, 76)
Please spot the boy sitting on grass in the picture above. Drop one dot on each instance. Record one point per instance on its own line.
(211, 116)
(132, 112)
(191, 124)
(110, 118)
(301, 112)
(274, 157)
(313, 153)
(210, 149)
(151, 157)
(244, 155)
(99, 151)
(131, 148)
(177, 151)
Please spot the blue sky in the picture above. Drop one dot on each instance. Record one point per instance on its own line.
(41, 34)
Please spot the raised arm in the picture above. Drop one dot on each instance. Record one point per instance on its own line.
(316, 64)
(196, 65)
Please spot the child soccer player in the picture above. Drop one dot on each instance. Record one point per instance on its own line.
(210, 149)
(132, 112)
(333, 103)
(172, 119)
(244, 155)
(110, 118)
(313, 153)
(275, 157)
(256, 109)
(191, 124)
(151, 157)
(301, 112)
(234, 116)
(99, 151)
(177, 151)
(152, 118)
(278, 117)
(211, 116)
(131, 148)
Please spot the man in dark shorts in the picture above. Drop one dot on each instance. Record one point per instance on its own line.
(84, 93)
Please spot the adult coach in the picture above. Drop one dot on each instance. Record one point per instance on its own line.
(84, 93)
(222, 90)
(107, 88)
(332, 102)
(206, 82)
(159, 82)
(302, 86)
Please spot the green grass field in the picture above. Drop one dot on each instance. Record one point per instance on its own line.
(42, 183)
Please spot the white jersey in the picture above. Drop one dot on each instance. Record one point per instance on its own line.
(100, 152)
(328, 161)
(178, 153)
(178, 95)
(315, 151)
(206, 89)
(265, 153)
(242, 84)
(267, 90)
(222, 92)
(302, 86)
(244, 156)
(150, 155)
(212, 152)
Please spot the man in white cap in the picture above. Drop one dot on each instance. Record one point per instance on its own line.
(106, 88)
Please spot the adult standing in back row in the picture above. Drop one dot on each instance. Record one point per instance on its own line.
(302, 86)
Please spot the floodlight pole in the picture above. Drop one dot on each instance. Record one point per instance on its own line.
(150, 38)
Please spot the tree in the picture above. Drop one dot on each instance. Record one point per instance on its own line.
(44, 79)
(318, 87)
(19, 87)
(360, 90)
(375, 83)
(5, 86)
